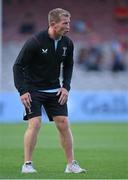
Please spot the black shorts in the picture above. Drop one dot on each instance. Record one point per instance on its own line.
(50, 103)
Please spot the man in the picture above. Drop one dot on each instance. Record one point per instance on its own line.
(36, 76)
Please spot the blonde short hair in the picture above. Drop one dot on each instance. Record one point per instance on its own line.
(56, 14)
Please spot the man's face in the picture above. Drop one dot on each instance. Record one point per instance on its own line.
(63, 26)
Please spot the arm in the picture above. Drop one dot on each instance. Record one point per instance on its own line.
(68, 68)
(67, 75)
(23, 61)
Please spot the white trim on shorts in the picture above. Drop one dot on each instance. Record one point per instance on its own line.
(50, 90)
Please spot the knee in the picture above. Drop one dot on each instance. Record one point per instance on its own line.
(35, 124)
(62, 123)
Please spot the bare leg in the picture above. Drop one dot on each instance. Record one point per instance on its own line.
(65, 136)
(30, 137)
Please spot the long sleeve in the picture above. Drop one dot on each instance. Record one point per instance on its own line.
(68, 68)
(23, 61)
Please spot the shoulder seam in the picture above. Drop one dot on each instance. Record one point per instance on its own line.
(35, 38)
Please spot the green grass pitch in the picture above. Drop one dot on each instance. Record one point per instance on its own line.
(101, 148)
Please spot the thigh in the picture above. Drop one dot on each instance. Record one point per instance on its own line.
(35, 109)
(53, 108)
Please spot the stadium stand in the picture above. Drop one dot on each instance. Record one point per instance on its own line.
(88, 11)
(104, 30)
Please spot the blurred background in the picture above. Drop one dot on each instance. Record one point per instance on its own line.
(99, 30)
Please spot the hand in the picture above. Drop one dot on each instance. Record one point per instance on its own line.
(63, 96)
(26, 100)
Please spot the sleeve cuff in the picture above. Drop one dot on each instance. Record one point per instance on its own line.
(66, 87)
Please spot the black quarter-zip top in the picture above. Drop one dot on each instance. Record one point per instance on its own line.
(38, 64)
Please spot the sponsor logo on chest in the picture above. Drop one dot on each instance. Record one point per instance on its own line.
(44, 51)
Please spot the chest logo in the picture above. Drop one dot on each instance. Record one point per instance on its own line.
(64, 51)
(44, 51)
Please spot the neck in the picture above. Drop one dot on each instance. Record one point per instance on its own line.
(53, 34)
